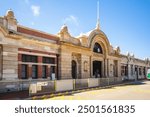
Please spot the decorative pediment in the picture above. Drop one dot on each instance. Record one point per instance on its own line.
(64, 34)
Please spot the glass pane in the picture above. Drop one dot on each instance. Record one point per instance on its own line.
(49, 60)
(34, 71)
(43, 71)
(24, 72)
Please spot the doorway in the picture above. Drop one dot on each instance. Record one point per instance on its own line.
(97, 69)
(136, 72)
(74, 69)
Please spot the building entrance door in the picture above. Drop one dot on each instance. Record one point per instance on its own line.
(97, 69)
(74, 69)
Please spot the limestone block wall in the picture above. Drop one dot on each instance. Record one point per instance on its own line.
(85, 67)
(65, 65)
(10, 62)
(111, 62)
(64, 85)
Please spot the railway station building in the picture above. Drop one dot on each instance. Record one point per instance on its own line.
(28, 54)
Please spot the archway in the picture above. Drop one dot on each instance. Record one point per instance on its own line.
(74, 69)
(97, 69)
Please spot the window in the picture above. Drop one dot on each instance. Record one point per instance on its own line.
(24, 71)
(29, 58)
(44, 71)
(140, 72)
(49, 60)
(97, 48)
(124, 70)
(34, 71)
(131, 69)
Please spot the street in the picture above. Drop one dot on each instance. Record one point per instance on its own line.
(139, 90)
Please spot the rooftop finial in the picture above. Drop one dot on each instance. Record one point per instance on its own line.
(98, 19)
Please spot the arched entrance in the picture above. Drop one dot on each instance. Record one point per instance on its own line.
(97, 69)
(74, 69)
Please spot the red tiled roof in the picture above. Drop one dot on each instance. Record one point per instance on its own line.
(36, 33)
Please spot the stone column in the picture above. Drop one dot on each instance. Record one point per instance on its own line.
(56, 72)
(57, 67)
(108, 68)
(145, 71)
(105, 69)
(137, 72)
(119, 69)
(128, 66)
(91, 68)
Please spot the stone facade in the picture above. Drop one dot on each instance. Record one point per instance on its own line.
(28, 54)
(80, 50)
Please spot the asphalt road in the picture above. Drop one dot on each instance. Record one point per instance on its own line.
(139, 90)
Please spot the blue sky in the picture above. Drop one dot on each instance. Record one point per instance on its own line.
(125, 22)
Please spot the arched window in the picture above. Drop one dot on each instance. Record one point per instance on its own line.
(97, 48)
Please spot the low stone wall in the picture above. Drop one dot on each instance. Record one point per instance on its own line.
(111, 81)
(81, 83)
(64, 85)
(9, 86)
(42, 86)
(118, 80)
(17, 85)
(93, 82)
(104, 82)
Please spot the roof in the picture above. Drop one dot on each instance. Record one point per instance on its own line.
(37, 33)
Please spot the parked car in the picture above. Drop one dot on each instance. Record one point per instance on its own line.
(148, 74)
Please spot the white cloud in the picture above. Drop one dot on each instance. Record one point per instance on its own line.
(36, 10)
(71, 19)
(73, 24)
